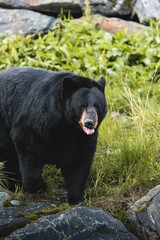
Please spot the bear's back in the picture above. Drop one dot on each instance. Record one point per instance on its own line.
(35, 93)
(21, 86)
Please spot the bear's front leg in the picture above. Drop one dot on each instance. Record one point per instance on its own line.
(75, 178)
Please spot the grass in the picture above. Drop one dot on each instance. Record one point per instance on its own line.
(128, 150)
(127, 160)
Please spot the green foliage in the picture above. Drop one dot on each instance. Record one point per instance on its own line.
(128, 152)
(77, 46)
(34, 216)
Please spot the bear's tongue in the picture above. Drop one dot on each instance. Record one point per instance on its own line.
(88, 131)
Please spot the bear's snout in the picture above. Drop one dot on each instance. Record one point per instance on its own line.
(89, 120)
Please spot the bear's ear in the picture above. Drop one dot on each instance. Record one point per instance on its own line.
(102, 82)
(68, 87)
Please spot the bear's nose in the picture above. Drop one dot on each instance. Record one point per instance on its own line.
(89, 123)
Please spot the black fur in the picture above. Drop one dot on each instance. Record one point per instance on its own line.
(39, 123)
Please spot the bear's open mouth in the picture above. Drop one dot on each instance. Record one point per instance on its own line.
(88, 131)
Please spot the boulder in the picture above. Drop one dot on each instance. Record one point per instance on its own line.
(147, 9)
(12, 218)
(144, 216)
(111, 8)
(77, 224)
(14, 17)
(112, 25)
(76, 7)
(18, 21)
(53, 7)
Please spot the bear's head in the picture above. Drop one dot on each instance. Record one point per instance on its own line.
(85, 103)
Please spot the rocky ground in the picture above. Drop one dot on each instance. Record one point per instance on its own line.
(27, 216)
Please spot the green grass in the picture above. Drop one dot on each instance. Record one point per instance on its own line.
(128, 151)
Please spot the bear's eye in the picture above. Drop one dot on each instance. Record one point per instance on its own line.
(97, 106)
(84, 105)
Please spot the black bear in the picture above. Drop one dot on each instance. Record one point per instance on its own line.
(49, 117)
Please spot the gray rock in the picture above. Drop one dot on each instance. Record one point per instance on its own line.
(18, 21)
(114, 8)
(144, 215)
(14, 4)
(12, 218)
(77, 224)
(111, 7)
(15, 202)
(76, 7)
(147, 9)
(3, 197)
(49, 6)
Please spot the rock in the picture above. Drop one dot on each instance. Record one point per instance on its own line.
(78, 223)
(14, 4)
(52, 7)
(147, 9)
(75, 7)
(112, 25)
(144, 216)
(24, 22)
(3, 197)
(12, 218)
(111, 8)
(15, 202)
(22, 17)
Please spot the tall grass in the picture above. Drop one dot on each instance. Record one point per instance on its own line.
(128, 152)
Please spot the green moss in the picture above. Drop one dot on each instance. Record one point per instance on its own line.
(48, 211)
(33, 216)
(143, 207)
